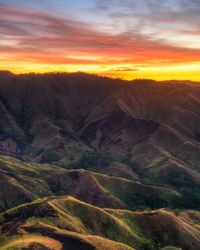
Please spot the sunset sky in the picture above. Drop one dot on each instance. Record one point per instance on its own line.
(119, 38)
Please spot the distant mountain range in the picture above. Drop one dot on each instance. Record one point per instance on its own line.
(109, 143)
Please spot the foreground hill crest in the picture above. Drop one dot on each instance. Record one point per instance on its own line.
(63, 222)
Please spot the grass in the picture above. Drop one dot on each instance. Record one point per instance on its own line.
(7, 239)
(98, 221)
(111, 228)
(127, 217)
(157, 164)
(15, 167)
(40, 180)
(28, 239)
(135, 194)
(38, 201)
(46, 220)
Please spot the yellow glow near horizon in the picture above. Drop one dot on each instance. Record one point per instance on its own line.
(160, 74)
(178, 72)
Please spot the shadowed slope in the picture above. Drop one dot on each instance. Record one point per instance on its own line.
(57, 111)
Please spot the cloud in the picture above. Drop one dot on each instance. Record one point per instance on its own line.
(124, 69)
(42, 37)
(170, 19)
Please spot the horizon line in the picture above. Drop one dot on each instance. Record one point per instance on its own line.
(103, 75)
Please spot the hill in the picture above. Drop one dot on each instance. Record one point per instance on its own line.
(67, 223)
(24, 182)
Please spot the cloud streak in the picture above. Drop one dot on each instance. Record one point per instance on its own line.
(170, 19)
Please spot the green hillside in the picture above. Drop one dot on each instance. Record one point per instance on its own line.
(66, 222)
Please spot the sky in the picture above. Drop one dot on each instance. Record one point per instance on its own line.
(117, 38)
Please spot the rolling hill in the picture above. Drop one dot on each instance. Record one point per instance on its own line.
(96, 152)
(67, 223)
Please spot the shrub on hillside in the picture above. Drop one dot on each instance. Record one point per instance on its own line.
(93, 159)
(50, 156)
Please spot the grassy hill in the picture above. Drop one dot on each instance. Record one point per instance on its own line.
(69, 223)
(23, 182)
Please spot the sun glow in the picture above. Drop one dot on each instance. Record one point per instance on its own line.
(128, 72)
(184, 72)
